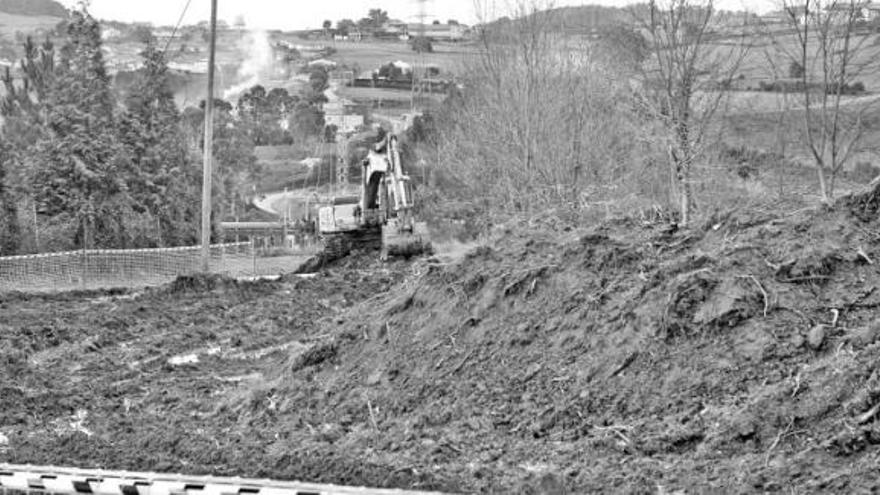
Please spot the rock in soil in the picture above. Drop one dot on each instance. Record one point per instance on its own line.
(816, 337)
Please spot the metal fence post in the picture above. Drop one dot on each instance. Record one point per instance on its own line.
(254, 254)
(84, 268)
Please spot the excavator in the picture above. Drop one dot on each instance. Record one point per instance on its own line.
(381, 216)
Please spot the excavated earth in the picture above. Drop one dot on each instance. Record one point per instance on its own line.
(742, 355)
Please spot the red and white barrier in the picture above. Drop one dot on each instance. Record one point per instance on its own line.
(68, 481)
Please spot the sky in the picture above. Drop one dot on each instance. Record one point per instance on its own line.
(301, 14)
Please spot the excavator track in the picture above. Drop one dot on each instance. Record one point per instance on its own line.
(15, 479)
(340, 244)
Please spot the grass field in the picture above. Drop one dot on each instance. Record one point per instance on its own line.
(769, 56)
(369, 55)
(10, 23)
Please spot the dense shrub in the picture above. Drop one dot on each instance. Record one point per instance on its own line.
(798, 86)
(422, 44)
(532, 131)
(864, 172)
(747, 162)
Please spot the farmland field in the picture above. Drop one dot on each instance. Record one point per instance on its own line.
(11, 23)
(369, 55)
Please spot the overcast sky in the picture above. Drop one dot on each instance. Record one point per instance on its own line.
(298, 14)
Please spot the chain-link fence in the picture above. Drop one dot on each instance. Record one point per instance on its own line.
(105, 268)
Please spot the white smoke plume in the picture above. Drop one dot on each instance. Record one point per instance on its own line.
(257, 61)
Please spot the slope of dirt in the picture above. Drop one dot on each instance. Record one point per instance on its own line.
(743, 355)
(157, 380)
(739, 356)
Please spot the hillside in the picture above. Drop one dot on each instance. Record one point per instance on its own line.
(10, 24)
(49, 8)
(582, 19)
(26, 17)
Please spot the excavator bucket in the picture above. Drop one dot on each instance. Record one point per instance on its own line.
(398, 240)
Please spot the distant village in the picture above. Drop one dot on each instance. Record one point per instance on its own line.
(451, 31)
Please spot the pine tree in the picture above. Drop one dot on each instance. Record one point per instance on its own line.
(235, 164)
(23, 110)
(10, 234)
(164, 182)
(81, 166)
(262, 113)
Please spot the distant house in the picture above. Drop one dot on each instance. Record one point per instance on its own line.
(310, 162)
(403, 66)
(322, 63)
(871, 11)
(841, 12)
(353, 35)
(837, 12)
(344, 123)
(802, 14)
(200, 67)
(395, 27)
(109, 33)
(775, 17)
(439, 32)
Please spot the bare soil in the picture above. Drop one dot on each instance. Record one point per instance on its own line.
(741, 355)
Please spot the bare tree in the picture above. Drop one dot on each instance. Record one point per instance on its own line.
(683, 82)
(827, 45)
(543, 123)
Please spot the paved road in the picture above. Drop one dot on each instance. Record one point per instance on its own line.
(294, 202)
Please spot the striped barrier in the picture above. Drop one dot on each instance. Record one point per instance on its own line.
(56, 480)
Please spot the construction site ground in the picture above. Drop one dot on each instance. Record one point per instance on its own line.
(740, 355)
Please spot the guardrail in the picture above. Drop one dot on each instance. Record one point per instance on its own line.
(57, 480)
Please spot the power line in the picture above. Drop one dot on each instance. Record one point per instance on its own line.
(176, 27)
(209, 145)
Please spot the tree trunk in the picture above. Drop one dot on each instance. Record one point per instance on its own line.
(682, 159)
(823, 185)
(687, 196)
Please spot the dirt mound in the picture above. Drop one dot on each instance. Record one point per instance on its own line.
(201, 282)
(744, 355)
(157, 380)
(738, 356)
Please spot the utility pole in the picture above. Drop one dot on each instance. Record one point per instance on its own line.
(412, 95)
(207, 172)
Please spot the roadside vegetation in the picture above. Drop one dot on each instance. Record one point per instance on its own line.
(85, 166)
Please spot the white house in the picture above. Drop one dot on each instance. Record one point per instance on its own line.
(871, 11)
(344, 123)
(323, 63)
(439, 32)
